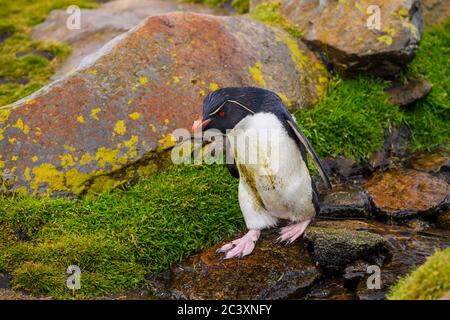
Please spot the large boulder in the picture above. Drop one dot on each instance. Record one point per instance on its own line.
(435, 11)
(344, 31)
(100, 126)
(99, 25)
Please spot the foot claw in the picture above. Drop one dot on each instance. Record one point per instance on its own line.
(241, 247)
(290, 233)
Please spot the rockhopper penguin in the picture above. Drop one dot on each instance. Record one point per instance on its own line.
(278, 185)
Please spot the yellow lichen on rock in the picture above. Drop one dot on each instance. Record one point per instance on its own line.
(21, 126)
(134, 115)
(257, 74)
(47, 174)
(120, 128)
(94, 113)
(105, 155)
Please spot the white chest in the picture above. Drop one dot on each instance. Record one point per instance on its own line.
(271, 167)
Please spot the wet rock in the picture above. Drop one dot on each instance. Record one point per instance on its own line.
(443, 220)
(333, 249)
(106, 123)
(42, 53)
(354, 47)
(345, 201)
(435, 11)
(100, 25)
(5, 280)
(406, 94)
(405, 192)
(330, 289)
(272, 271)
(345, 168)
(395, 148)
(407, 248)
(432, 162)
(5, 32)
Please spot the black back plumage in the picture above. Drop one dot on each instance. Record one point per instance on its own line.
(257, 100)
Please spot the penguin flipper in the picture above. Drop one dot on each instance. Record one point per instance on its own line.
(304, 141)
(233, 169)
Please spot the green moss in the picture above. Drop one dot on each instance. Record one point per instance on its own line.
(23, 75)
(429, 281)
(241, 6)
(269, 13)
(119, 237)
(429, 118)
(350, 121)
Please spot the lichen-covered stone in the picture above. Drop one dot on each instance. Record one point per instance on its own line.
(346, 32)
(103, 124)
(101, 24)
(406, 192)
(333, 249)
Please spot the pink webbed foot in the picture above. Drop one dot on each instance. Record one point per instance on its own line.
(242, 246)
(290, 233)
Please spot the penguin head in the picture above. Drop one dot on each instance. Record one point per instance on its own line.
(223, 109)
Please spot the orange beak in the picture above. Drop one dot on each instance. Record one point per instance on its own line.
(200, 124)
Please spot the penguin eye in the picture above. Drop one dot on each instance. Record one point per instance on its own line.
(222, 113)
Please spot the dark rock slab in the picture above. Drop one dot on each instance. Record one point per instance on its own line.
(408, 248)
(406, 192)
(272, 271)
(407, 94)
(395, 148)
(345, 201)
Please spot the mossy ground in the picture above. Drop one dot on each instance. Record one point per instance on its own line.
(120, 236)
(429, 281)
(21, 76)
(241, 6)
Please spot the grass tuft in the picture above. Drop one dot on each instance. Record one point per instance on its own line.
(430, 281)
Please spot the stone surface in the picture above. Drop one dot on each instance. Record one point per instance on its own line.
(339, 30)
(345, 168)
(408, 248)
(406, 94)
(443, 220)
(272, 271)
(406, 192)
(430, 161)
(100, 25)
(103, 124)
(333, 249)
(345, 201)
(435, 11)
(395, 149)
